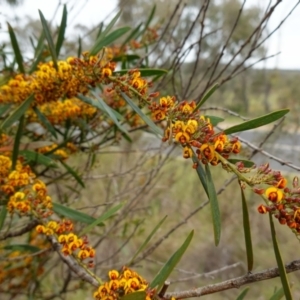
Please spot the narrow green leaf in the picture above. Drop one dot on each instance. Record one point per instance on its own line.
(247, 163)
(139, 295)
(214, 205)
(247, 231)
(98, 104)
(281, 266)
(4, 108)
(17, 113)
(79, 47)
(145, 72)
(278, 294)
(101, 219)
(257, 122)
(40, 44)
(107, 40)
(207, 95)
(33, 156)
(166, 270)
(214, 120)
(243, 294)
(37, 60)
(17, 142)
(149, 18)
(22, 247)
(111, 24)
(111, 113)
(73, 214)
(148, 121)
(62, 30)
(126, 57)
(132, 35)
(201, 173)
(45, 121)
(145, 243)
(73, 173)
(49, 39)
(100, 29)
(3, 214)
(16, 48)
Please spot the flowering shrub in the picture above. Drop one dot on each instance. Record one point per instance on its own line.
(70, 103)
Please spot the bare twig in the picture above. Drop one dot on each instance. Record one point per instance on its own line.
(235, 282)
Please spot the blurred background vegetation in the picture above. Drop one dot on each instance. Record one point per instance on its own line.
(153, 179)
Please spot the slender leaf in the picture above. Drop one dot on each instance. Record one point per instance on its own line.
(16, 48)
(62, 30)
(145, 243)
(247, 163)
(37, 60)
(126, 57)
(139, 295)
(149, 19)
(201, 173)
(214, 205)
(45, 121)
(79, 47)
(281, 266)
(257, 122)
(148, 121)
(4, 108)
(107, 40)
(207, 95)
(214, 120)
(100, 29)
(17, 113)
(111, 113)
(73, 173)
(132, 35)
(166, 270)
(49, 39)
(22, 247)
(101, 219)
(17, 142)
(3, 214)
(40, 44)
(111, 24)
(33, 156)
(98, 104)
(278, 294)
(73, 214)
(145, 72)
(247, 231)
(243, 294)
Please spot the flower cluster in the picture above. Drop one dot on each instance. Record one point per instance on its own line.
(50, 82)
(59, 153)
(284, 203)
(71, 243)
(33, 197)
(16, 277)
(123, 283)
(187, 127)
(132, 84)
(25, 193)
(58, 112)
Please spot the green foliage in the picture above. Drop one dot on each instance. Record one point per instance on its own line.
(166, 270)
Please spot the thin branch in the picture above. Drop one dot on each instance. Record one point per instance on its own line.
(21, 231)
(235, 282)
(72, 263)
